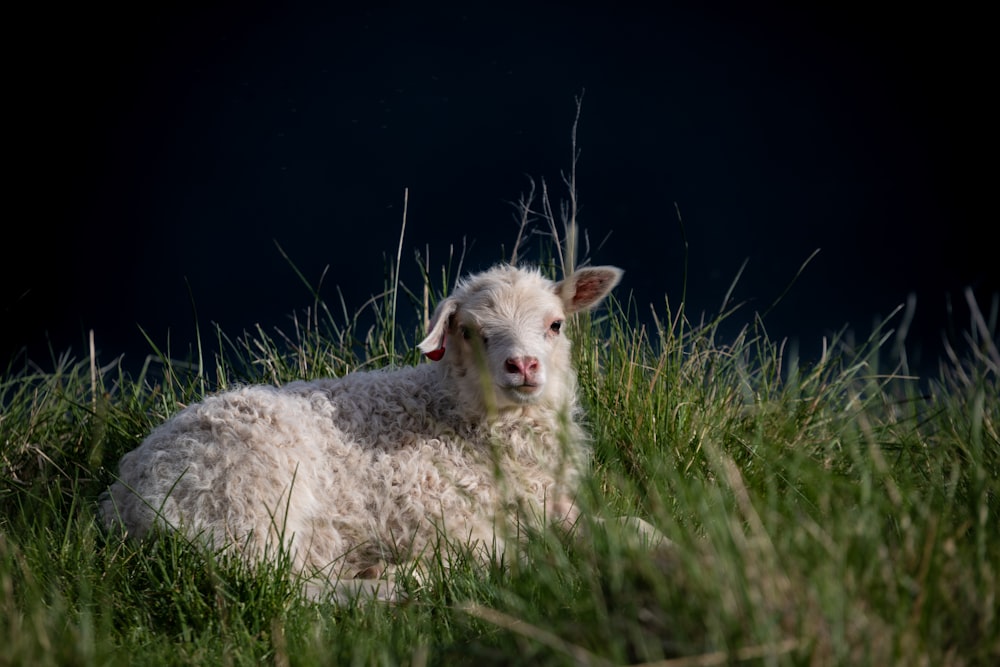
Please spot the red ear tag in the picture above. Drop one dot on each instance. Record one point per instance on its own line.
(436, 355)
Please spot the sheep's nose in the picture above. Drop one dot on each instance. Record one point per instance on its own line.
(526, 367)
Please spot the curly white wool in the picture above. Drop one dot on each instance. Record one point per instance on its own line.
(363, 473)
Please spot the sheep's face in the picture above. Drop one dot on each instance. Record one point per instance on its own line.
(503, 333)
(512, 339)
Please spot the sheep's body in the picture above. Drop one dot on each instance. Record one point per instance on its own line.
(366, 471)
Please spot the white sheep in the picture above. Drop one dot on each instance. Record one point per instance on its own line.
(359, 475)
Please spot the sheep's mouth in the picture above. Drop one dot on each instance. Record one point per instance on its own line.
(522, 392)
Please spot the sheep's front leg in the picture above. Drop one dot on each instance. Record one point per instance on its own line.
(648, 534)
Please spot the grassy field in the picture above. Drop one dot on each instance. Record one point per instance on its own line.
(835, 513)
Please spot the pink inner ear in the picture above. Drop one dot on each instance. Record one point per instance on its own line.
(589, 290)
(435, 355)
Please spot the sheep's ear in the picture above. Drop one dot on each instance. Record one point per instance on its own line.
(587, 287)
(437, 332)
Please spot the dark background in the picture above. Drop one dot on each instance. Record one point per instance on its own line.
(155, 156)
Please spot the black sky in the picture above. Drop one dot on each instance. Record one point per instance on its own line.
(157, 151)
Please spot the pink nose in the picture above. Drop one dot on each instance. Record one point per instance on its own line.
(526, 367)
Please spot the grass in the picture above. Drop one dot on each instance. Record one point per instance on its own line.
(823, 514)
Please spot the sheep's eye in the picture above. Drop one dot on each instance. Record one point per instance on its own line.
(469, 334)
(556, 326)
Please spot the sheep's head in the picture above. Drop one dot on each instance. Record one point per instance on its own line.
(502, 333)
